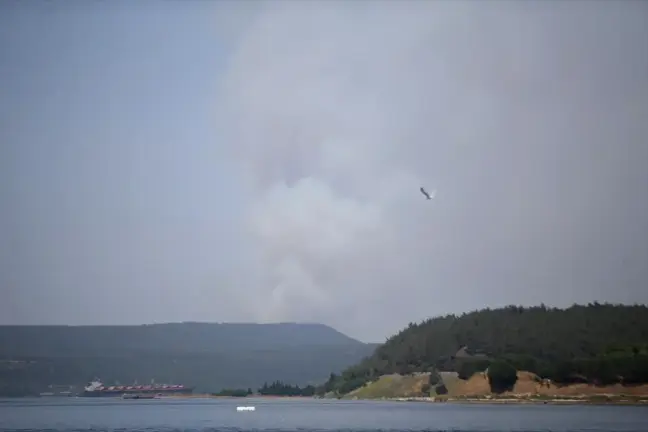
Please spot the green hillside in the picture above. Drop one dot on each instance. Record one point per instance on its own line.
(597, 343)
(208, 356)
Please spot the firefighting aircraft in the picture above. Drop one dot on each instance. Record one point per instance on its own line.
(427, 195)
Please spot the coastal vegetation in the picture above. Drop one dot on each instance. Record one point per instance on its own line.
(234, 393)
(595, 344)
(278, 388)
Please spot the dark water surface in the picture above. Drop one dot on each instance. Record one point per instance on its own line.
(208, 415)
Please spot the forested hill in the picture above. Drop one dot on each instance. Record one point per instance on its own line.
(208, 356)
(57, 341)
(597, 342)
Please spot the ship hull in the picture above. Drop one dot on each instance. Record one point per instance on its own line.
(120, 393)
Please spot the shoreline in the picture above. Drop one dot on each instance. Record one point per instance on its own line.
(609, 399)
(512, 400)
(507, 400)
(211, 396)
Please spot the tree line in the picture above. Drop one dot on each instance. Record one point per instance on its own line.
(276, 388)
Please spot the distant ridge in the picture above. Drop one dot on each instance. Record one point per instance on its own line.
(207, 356)
(188, 337)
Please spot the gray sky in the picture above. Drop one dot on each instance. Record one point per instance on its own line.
(260, 161)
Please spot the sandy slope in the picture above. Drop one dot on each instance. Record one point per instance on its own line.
(394, 386)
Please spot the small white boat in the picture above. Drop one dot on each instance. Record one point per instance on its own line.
(245, 408)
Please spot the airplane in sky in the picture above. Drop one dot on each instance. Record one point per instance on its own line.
(427, 195)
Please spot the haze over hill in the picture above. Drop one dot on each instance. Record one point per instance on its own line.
(166, 338)
(261, 161)
(208, 356)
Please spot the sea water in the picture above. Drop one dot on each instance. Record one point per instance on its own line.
(305, 415)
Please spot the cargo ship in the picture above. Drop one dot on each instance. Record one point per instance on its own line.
(97, 389)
